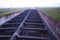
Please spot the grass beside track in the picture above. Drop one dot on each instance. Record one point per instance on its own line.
(5, 11)
(52, 12)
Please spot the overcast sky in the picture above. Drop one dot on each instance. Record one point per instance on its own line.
(29, 3)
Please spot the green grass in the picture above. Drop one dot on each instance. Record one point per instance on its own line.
(52, 12)
(5, 11)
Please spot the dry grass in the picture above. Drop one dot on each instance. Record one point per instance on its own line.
(52, 12)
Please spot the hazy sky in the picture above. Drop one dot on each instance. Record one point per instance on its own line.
(29, 3)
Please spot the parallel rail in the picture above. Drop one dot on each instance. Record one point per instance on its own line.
(26, 26)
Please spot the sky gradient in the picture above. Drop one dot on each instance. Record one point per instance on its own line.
(29, 3)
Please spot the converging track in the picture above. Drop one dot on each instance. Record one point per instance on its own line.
(27, 26)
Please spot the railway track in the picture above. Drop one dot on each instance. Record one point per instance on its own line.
(26, 26)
